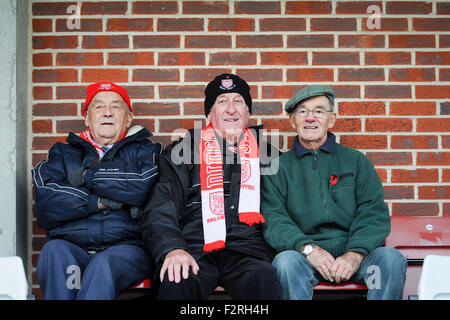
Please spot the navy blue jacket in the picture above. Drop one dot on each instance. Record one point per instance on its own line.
(125, 174)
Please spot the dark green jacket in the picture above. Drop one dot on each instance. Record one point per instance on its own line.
(301, 206)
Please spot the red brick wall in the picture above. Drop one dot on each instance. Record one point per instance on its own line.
(392, 83)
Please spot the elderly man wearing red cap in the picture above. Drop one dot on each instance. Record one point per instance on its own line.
(89, 195)
(203, 223)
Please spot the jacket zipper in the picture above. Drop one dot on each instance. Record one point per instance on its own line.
(316, 167)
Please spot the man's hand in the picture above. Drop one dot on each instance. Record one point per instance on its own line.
(101, 206)
(177, 262)
(104, 203)
(345, 266)
(322, 261)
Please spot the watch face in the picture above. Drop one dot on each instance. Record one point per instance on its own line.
(308, 249)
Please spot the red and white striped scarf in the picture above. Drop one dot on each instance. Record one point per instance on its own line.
(101, 150)
(211, 184)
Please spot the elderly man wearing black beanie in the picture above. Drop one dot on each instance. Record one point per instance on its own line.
(203, 223)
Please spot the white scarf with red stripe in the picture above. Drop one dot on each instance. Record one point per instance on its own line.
(211, 182)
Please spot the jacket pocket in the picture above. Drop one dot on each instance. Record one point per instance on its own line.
(343, 193)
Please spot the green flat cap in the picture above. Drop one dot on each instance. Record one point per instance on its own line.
(308, 92)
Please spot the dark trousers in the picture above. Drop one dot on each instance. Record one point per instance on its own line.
(242, 276)
(66, 271)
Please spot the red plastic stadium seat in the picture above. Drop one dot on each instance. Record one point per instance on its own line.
(415, 238)
(144, 284)
(139, 290)
(341, 286)
(331, 291)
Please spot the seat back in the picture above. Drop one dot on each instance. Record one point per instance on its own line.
(415, 238)
(434, 283)
(13, 282)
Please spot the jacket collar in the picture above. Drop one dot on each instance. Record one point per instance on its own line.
(328, 146)
(135, 133)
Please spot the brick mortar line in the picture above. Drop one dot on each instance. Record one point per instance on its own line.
(256, 17)
(250, 50)
(244, 33)
(241, 66)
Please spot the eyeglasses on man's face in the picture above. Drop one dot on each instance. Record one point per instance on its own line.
(318, 113)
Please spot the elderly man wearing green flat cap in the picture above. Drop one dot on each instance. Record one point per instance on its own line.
(324, 209)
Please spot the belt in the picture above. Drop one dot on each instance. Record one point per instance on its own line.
(94, 249)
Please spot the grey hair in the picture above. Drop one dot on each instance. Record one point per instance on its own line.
(331, 105)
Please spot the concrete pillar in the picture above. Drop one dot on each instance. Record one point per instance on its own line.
(14, 146)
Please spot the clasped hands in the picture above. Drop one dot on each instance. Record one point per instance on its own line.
(336, 270)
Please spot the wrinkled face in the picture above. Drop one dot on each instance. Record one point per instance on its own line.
(229, 116)
(107, 117)
(312, 119)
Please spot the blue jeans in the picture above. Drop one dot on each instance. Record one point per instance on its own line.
(67, 272)
(383, 271)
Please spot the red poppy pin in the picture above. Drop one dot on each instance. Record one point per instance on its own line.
(333, 180)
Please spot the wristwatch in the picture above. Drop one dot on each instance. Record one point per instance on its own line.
(308, 249)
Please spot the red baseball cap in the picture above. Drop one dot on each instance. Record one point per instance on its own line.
(95, 88)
